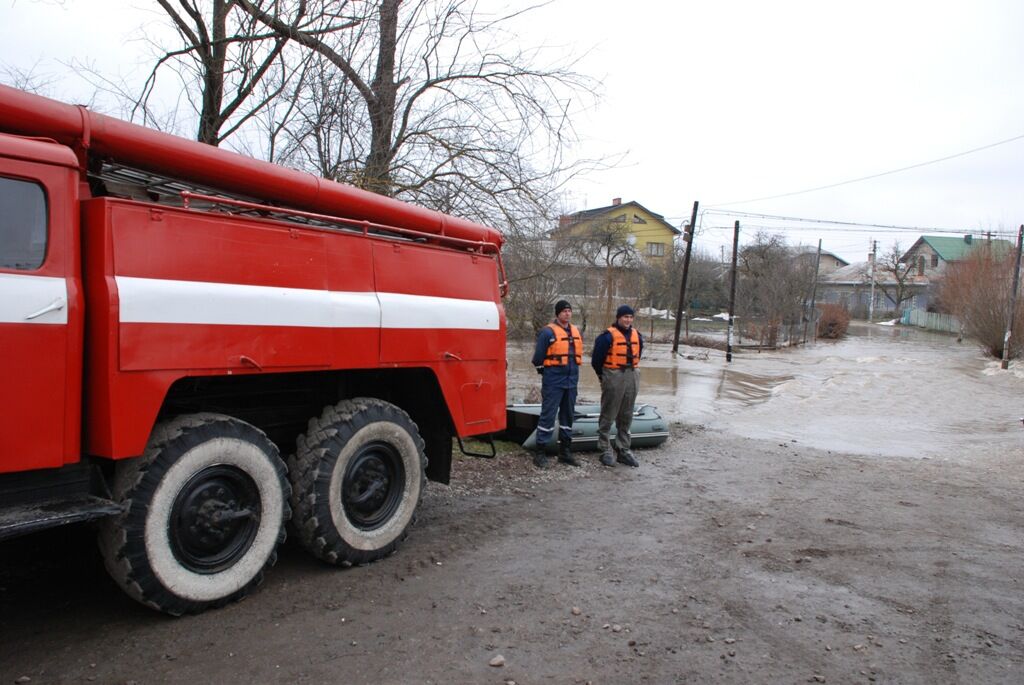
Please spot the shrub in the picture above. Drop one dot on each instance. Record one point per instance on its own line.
(833, 322)
(977, 291)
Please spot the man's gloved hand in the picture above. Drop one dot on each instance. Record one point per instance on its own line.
(540, 370)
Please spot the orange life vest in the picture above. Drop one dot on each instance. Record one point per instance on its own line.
(616, 357)
(558, 351)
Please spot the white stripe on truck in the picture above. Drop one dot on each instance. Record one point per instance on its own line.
(33, 299)
(150, 300)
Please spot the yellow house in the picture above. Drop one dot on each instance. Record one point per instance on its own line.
(645, 230)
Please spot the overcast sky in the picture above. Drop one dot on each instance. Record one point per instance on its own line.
(729, 101)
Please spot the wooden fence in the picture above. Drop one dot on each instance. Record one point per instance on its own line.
(930, 320)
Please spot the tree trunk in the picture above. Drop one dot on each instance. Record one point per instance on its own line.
(214, 55)
(381, 107)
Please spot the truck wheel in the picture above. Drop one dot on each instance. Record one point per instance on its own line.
(206, 508)
(357, 475)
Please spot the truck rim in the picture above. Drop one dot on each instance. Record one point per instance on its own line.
(214, 519)
(373, 485)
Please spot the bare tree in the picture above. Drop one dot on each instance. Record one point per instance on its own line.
(536, 281)
(431, 101)
(29, 79)
(773, 286)
(705, 285)
(895, 278)
(977, 291)
(221, 59)
(607, 248)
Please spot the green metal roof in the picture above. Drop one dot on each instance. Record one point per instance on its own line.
(955, 249)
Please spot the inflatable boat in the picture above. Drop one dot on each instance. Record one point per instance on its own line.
(648, 429)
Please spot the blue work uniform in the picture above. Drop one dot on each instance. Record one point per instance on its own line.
(557, 389)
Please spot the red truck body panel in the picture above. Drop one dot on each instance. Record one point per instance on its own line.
(178, 293)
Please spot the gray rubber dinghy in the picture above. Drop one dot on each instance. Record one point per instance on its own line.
(648, 429)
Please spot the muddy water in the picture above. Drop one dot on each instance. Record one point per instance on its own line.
(881, 391)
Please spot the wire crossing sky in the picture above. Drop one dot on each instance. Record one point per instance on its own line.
(878, 175)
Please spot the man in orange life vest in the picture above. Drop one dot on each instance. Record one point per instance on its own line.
(616, 357)
(557, 356)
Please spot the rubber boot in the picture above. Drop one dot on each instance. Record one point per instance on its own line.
(565, 454)
(540, 457)
(626, 457)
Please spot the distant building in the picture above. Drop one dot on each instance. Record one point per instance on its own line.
(930, 254)
(603, 252)
(850, 286)
(647, 232)
(829, 261)
(929, 257)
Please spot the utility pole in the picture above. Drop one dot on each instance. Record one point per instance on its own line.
(688, 236)
(652, 322)
(1005, 363)
(732, 291)
(814, 293)
(871, 270)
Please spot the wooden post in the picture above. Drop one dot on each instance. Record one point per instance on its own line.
(732, 291)
(682, 285)
(871, 302)
(1005, 363)
(814, 292)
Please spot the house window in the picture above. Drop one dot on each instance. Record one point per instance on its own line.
(920, 265)
(935, 260)
(656, 249)
(22, 225)
(638, 219)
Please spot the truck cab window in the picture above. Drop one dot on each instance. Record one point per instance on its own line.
(22, 225)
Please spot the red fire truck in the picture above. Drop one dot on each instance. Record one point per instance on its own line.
(197, 347)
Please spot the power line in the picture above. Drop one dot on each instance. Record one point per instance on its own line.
(878, 175)
(835, 222)
(838, 229)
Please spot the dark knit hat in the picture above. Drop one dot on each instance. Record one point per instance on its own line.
(560, 305)
(623, 310)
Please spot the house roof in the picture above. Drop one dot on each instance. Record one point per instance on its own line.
(851, 273)
(858, 274)
(805, 250)
(951, 249)
(588, 214)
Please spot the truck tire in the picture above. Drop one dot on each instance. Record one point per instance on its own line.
(206, 506)
(357, 475)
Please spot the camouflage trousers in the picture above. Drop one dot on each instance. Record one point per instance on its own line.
(619, 388)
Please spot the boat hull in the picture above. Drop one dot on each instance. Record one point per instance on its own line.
(648, 429)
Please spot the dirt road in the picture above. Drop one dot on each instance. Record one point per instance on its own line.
(721, 559)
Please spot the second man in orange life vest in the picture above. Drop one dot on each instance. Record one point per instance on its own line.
(616, 357)
(557, 356)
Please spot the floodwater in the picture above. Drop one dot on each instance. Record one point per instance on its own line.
(883, 390)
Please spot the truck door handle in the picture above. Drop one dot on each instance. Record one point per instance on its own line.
(452, 355)
(54, 306)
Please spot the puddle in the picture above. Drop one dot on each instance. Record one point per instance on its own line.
(747, 388)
